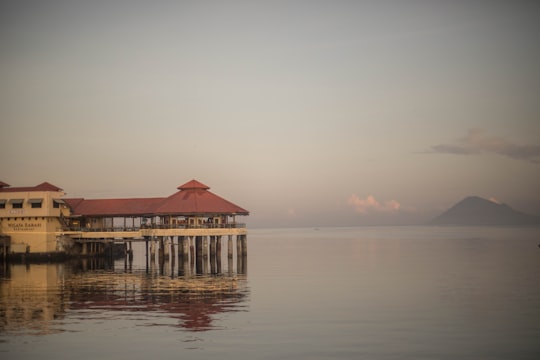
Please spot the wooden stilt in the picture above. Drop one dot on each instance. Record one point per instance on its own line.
(230, 265)
(192, 246)
(153, 248)
(238, 245)
(213, 254)
(213, 246)
(239, 264)
(173, 253)
(244, 244)
(199, 254)
(230, 247)
(180, 246)
(218, 254)
(205, 247)
(166, 247)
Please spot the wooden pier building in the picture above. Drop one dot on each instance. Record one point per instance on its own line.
(40, 220)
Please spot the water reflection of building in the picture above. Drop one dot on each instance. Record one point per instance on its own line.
(192, 300)
(34, 297)
(29, 297)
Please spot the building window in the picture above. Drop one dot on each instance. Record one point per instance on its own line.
(35, 203)
(2, 204)
(16, 203)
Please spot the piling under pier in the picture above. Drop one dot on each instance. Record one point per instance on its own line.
(199, 254)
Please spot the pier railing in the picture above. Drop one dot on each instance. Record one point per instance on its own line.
(155, 226)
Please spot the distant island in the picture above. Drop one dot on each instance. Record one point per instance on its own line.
(474, 210)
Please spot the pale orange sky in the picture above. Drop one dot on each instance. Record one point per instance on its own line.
(303, 112)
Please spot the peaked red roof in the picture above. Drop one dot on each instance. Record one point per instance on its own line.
(45, 186)
(198, 200)
(192, 199)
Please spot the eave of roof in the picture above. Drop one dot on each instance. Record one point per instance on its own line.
(198, 201)
(113, 207)
(45, 186)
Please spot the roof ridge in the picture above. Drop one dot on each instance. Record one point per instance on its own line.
(193, 184)
(44, 186)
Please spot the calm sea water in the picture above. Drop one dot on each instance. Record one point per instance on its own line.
(329, 293)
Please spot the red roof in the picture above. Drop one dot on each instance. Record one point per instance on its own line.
(113, 207)
(198, 201)
(193, 184)
(192, 199)
(45, 186)
(73, 203)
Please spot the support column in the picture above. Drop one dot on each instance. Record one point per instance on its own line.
(161, 251)
(181, 247)
(213, 246)
(130, 250)
(146, 246)
(218, 254)
(173, 253)
(218, 245)
(230, 247)
(166, 248)
(192, 248)
(244, 245)
(152, 248)
(230, 265)
(240, 263)
(181, 257)
(238, 245)
(199, 254)
(205, 247)
(241, 258)
(186, 266)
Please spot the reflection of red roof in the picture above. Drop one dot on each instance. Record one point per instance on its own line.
(45, 186)
(193, 198)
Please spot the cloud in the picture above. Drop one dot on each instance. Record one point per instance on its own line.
(370, 204)
(476, 141)
(291, 212)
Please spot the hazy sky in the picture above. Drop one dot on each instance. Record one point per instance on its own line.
(303, 112)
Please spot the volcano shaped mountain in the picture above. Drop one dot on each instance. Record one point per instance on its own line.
(474, 210)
